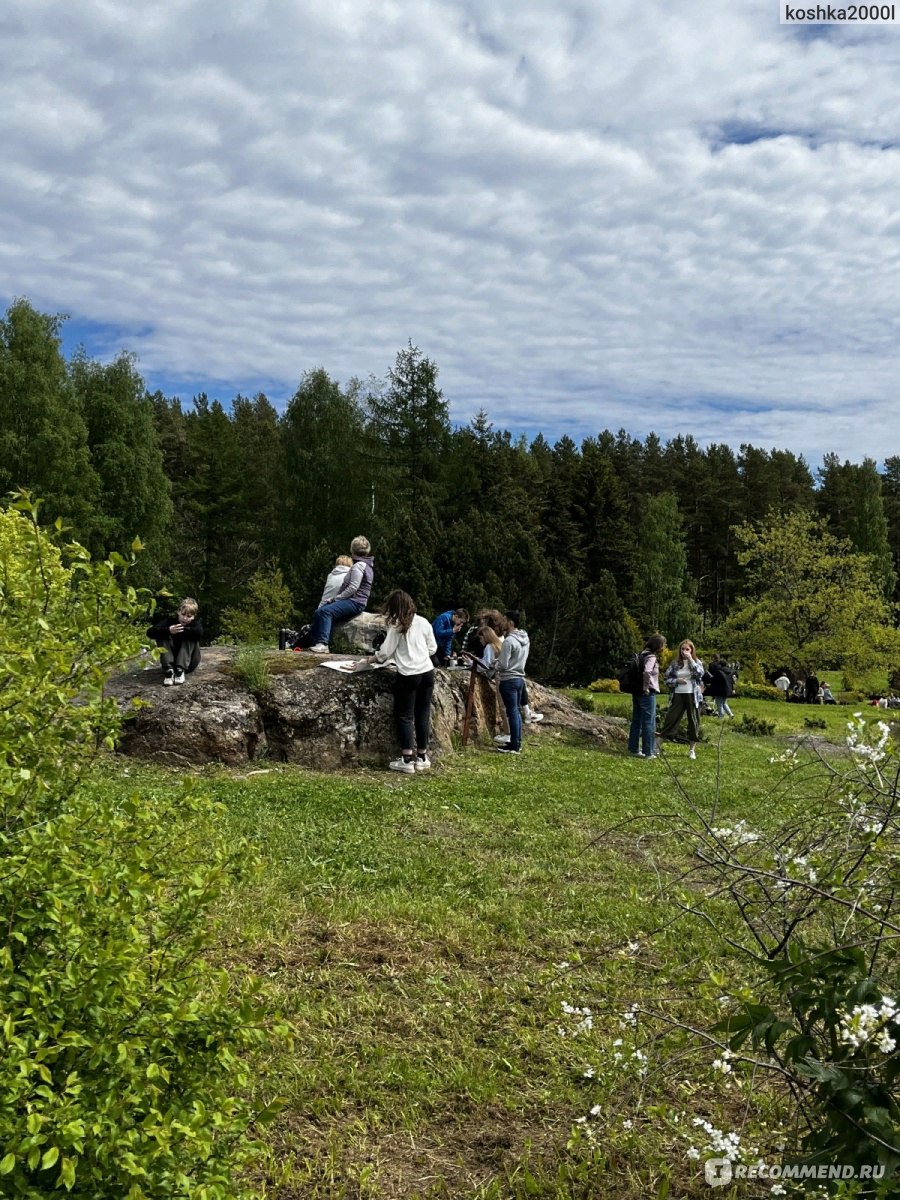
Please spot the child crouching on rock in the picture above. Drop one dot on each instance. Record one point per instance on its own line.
(179, 637)
(410, 643)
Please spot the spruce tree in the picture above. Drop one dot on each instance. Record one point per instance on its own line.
(43, 438)
(125, 453)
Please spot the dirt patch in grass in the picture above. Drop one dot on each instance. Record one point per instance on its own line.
(443, 1158)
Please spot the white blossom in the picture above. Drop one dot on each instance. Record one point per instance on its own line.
(738, 834)
(868, 1023)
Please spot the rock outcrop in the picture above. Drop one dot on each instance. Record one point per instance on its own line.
(310, 715)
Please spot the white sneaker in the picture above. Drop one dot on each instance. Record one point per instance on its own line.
(320, 649)
(179, 677)
(169, 679)
(423, 764)
(693, 753)
(534, 718)
(407, 766)
(502, 739)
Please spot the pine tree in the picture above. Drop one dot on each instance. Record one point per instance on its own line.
(43, 439)
(325, 479)
(850, 498)
(125, 453)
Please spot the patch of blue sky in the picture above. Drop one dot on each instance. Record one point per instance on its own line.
(224, 390)
(745, 133)
(100, 340)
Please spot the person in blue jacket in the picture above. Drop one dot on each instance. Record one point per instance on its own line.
(446, 627)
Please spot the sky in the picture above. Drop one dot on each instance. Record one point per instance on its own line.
(671, 218)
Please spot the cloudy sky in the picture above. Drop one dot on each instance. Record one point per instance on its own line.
(672, 218)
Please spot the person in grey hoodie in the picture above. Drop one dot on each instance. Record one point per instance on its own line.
(510, 670)
(350, 601)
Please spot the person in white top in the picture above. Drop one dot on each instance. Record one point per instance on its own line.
(685, 677)
(783, 684)
(409, 643)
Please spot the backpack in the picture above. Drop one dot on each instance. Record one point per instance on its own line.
(631, 677)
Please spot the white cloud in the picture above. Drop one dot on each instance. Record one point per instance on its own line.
(673, 220)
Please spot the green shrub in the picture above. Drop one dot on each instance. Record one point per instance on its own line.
(815, 723)
(757, 691)
(266, 607)
(605, 686)
(755, 726)
(252, 666)
(126, 1058)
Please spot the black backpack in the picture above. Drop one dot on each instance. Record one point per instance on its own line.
(631, 677)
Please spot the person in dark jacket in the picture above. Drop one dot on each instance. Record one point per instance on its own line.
(350, 601)
(179, 636)
(720, 686)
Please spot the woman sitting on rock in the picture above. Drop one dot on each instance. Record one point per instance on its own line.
(350, 601)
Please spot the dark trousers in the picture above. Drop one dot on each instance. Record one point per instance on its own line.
(412, 709)
(178, 651)
(681, 705)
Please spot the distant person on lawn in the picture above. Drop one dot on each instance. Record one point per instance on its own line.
(721, 685)
(642, 735)
(685, 677)
(350, 601)
(178, 635)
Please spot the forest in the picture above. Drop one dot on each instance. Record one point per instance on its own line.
(246, 507)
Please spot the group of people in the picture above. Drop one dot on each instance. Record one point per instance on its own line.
(806, 690)
(689, 682)
(495, 644)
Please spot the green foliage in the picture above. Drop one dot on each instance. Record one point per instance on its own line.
(126, 1058)
(757, 691)
(43, 438)
(325, 475)
(604, 686)
(662, 589)
(814, 723)
(810, 600)
(252, 666)
(266, 606)
(755, 726)
(134, 493)
(850, 498)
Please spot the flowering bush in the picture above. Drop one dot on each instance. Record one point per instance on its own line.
(808, 920)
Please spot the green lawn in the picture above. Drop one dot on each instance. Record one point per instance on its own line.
(412, 929)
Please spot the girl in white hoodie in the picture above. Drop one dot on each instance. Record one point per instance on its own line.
(410, 642)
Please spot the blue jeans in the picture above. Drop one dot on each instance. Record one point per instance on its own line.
(511, 695)
(338, 610)
(643, 724)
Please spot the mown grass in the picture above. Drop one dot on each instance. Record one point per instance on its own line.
(412, 929)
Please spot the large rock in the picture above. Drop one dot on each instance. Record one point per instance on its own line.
(311, 715)
(358, 633)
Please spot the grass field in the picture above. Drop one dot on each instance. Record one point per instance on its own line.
(413, 930)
